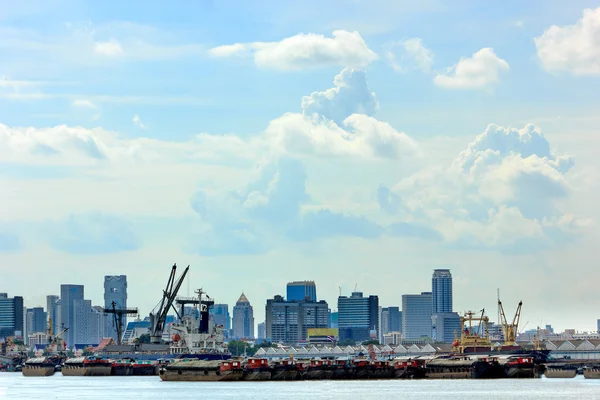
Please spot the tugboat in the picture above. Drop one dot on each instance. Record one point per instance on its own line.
(200, 370)
(257, 369)
(319, 369)
(285, 370)
(518, 366)
(342, 369)
(39, 366)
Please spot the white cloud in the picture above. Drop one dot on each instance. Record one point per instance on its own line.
(350, 95)
(573, 48)
(501, 192)
(478, 72)
(410, 55)
(111, 48)
(228, 50)
(82, 103)
(346, 49)
(138, 121)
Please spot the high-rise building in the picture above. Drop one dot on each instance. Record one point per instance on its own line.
(358, 317)
(262, 331)
(243, 318)
(51, 309)
(68, 295)
(302, 290)
(416, 315)
(82, 321)
(390, 321)
(288, 321)
(445, 327)
(441, 291)
(220, 316)
(11, 316)
(333, 319)
(35, 321)
(115, 289)
(98, 325)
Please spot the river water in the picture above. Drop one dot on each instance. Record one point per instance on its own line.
(16, 386)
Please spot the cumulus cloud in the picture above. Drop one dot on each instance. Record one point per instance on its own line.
(409, 55)
(572, 48)
(500, 192)
(350, 95)
(346, 49)
(92, 233)
(110, 48)
(138, 121)
(269, 211)
(480, 71)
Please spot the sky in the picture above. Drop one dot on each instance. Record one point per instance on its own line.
(359, 144)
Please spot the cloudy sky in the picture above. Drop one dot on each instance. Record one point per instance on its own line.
(349, 142)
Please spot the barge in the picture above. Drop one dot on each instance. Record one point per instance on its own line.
(200, 370)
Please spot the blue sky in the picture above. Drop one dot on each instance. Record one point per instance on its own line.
(338, 141)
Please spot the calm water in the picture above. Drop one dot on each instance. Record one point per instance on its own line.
(16, 386)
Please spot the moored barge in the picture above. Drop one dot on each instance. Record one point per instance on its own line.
(39, 366)
(200, 370)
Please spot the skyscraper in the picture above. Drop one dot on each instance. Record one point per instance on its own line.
(220, 316)
(35, 321)
(262, 331)
(391, 320)
(51, 309)
(302, 290)
(115, 289)
(82, 321)
(11, 316)
(358, 317)
(416, 315)
(441, 290)
(243, 318)
(289, 321)
(445, 327)
(68, 295)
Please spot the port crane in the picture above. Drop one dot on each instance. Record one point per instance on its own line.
(158, 316)
(118, 314)
(510, 329)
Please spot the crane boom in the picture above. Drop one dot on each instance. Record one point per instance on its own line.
(158, 319)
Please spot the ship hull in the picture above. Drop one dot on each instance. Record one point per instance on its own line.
(257, 375)
(122, 370)
(409, 372)
(96, 370)
(591, 373)
(284, 374)
(199, 375)
(342, 373)
(560, 373)
(46, 370)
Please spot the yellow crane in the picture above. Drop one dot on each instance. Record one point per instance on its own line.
(510, 330)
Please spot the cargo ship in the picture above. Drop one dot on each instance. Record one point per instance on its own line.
(87, 366)
(200, 370)
(39, 366)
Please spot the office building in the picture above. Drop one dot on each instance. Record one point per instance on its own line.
(301, 290)
(11, 316)
(82, 321)
(243, 319)
(445, 327)
(441, 291)
(35, 321)
(262, 331)
(220, 316)
(51, 309)
(68, 295)
(358, 317)
(416, 315)
(333, 319)
(288, 322)
(98, 324)
(115, 290)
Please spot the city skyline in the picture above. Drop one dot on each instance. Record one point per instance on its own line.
(357, 144)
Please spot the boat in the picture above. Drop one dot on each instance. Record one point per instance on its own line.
(87, 366)
(39, 366)
(342, 369)
(363, 368)
(463, 367)
(560, 371)
(318, 369)
(518, 366)
(201, 370)
(592, 372)
(122, 367)
(383, 370)
(257, 369)
(408, 368)
(285, 370)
